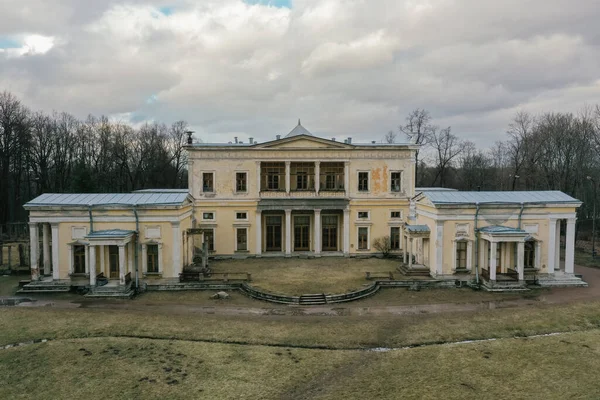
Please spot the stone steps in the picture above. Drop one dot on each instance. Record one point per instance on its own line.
(414, 271)
(45, 287)
(313, 299)
(111, 291)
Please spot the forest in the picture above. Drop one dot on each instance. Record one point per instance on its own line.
(56, 152)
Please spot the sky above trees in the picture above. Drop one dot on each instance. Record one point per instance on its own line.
(345, 67)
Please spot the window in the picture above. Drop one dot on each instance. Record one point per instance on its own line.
(241, 235)
(363, 215)
(208, 182)
(302, 176)
(209, 238)
(461, 255)
(332, 176)
(241, 215)
(152, 258)
(363, 181)
(363, 238)
(272, 176)
(396, 181)
(396, 214)
(395, 238)
(240, 182)
(529, 254)
(79, 259)
(208, 216)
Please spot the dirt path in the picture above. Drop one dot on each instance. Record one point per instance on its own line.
(553, 296)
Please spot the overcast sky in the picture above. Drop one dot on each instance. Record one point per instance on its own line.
(345, 67)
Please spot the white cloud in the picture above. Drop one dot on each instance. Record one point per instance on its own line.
(347, 68)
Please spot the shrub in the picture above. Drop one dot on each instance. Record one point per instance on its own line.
(383, 245)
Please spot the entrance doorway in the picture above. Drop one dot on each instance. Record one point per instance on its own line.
(273, 231)
(330, 233)
(302, 233)
(113, 262)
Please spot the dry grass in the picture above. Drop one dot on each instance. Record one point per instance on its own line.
(299, 276)
(122, 368)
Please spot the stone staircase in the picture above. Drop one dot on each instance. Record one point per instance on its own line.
(415, 270)
(561, 279)
(46, 286)
(504, 286)
(312, 299)
(111, 291)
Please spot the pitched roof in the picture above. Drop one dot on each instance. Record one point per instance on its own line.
(117, 199)
(502, 230)
(441, 197)
(298, 130)
(417, 228)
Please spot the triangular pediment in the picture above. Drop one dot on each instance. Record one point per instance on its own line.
(303, 142)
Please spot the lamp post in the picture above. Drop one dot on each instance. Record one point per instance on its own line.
(593, 219)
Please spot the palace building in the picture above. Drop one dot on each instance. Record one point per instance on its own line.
(302, 195)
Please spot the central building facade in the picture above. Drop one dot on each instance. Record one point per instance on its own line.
(300, 195)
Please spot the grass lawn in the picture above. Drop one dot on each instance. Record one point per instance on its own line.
(555, 367)
(9, 284)
(295, 276)
(585, 259)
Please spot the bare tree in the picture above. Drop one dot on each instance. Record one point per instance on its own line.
(446, 147)
(390, 137)
(418, 129)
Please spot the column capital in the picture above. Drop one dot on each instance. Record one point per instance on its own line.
(288, 163)
(317, 210)
(33, 224)
(175, 224)
(288, 211)
(258, 211)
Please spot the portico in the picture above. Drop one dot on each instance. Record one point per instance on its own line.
(116, 246)
(502, 253)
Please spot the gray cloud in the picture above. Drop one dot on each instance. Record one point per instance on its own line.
(347, 68)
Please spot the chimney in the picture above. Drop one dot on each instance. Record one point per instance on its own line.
(251, 140)
(372, 141)
(189, 138)
(333, 139)
(349, 140)
(346, 141)
(236, 141)
(278, 137)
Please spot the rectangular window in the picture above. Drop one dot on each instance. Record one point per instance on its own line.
(332, 176)
(241, 235)
(396, 181)
(240, 182)
(241, 215)
(152, 258)
(208, 182)
(363, 181)
(363, 215)
(272, 176)
(396, 214)
(209, 238)
(363, 238)
(302, 176)
(208, 216)
(79, 259)
(461, 255)
(395, 238)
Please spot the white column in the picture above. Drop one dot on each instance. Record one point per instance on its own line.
(493, 248)
(55, 247)
(87, 259)
(102, 250)
(410, 252)
(469, 255)
(71, 261)
(145, 258)
(404, 246)
(160, 259)
(258, 233)
(521, 260)
(258, 178)
(46, 244)
(454, 264)
(347, 178)
(287, 176)
(551, 245)
(570, 247)
(482, 258)
(346, 232)
(317, 247)
(177, 248)
(34, 252)
(130, 251)
(288, 233)
(122, 264)
(317, 176)
(92, 265)
(439, 247)
(557, 256)
(538, 255)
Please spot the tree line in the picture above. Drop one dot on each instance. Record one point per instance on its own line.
(549, 151)
(58, 153)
